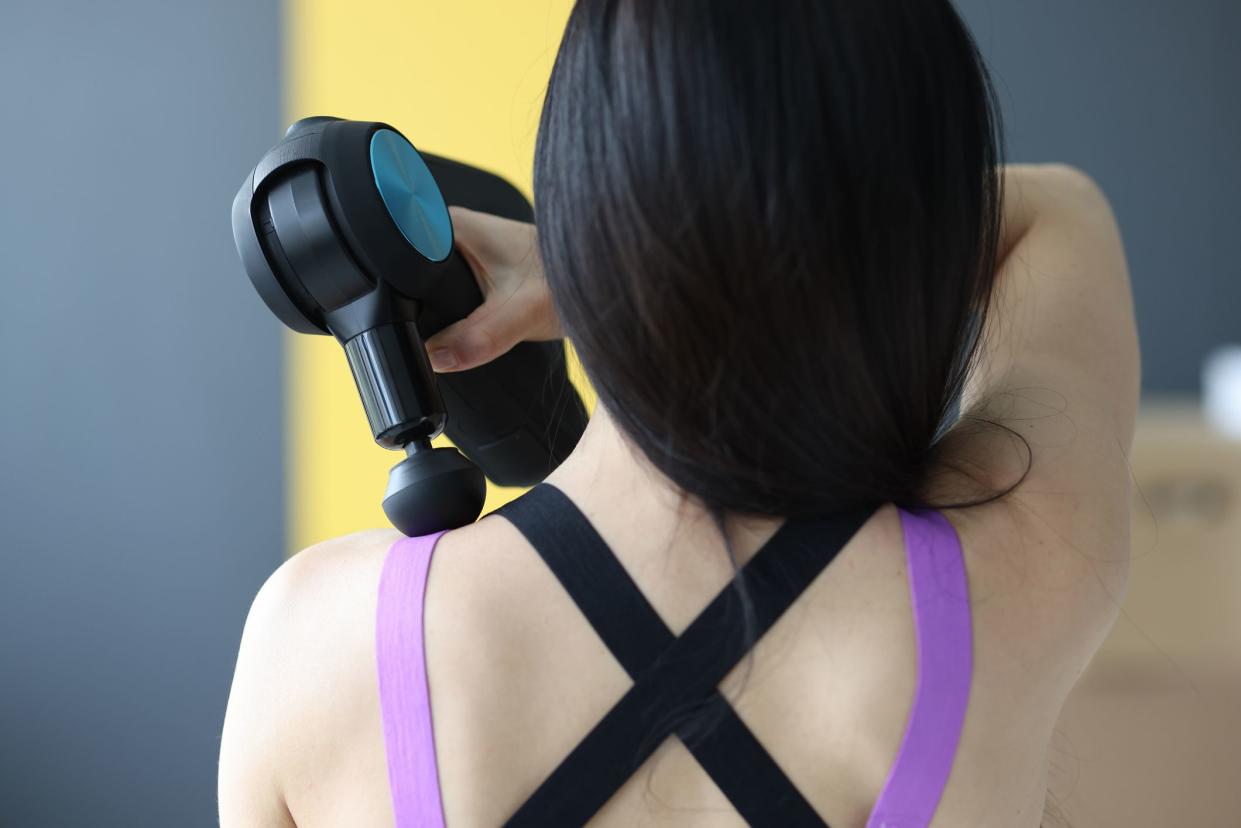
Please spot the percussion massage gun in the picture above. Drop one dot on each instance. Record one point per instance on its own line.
(342, 228)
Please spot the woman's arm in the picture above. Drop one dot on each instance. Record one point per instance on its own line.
(1062, 316)
(303, 735)
(250, 745)
(1059, 359)
(1058, 366)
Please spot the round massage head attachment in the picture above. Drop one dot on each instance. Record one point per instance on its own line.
(433, 489)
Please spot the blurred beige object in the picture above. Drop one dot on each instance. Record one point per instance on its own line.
(1151, 735)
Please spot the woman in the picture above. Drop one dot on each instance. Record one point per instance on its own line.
(787, 252)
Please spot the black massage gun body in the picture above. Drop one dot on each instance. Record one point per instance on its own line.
(326, 253)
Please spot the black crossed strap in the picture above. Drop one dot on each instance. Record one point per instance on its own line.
(671, 675)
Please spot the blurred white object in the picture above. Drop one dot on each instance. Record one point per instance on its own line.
(1221, 390)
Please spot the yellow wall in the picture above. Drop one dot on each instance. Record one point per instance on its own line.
(463, 79)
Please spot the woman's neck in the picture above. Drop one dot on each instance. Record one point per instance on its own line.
(640, 512)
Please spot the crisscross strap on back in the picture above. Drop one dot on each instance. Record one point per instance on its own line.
(671, 674)
(939, 595)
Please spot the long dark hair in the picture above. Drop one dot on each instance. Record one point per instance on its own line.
(771, 231)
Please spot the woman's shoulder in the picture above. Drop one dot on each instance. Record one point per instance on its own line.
(304, 689)
(313, 600)
(323, 564)
(303, 731)
(318, 608)
(309, 636)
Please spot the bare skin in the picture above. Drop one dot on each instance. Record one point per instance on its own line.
(517, 676)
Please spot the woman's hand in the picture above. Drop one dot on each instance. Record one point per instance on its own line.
(504, 255)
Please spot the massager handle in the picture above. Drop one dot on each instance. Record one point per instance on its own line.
(518, 416)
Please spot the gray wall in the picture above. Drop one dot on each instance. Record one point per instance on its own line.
(140, 426)
(140, 430)
(1143, 95)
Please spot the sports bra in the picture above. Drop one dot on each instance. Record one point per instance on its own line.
(673, 674)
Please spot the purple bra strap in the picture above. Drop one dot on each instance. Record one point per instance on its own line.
(939, 593)
(404, 695)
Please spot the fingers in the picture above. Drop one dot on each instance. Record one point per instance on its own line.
(490, 331)
(503, 254)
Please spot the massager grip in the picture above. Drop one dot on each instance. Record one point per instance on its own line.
(518, 416)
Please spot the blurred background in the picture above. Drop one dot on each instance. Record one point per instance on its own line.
(164, 444)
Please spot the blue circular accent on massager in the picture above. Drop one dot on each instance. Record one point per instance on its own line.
(411, 195)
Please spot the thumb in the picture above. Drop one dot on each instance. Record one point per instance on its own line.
(490, 331)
